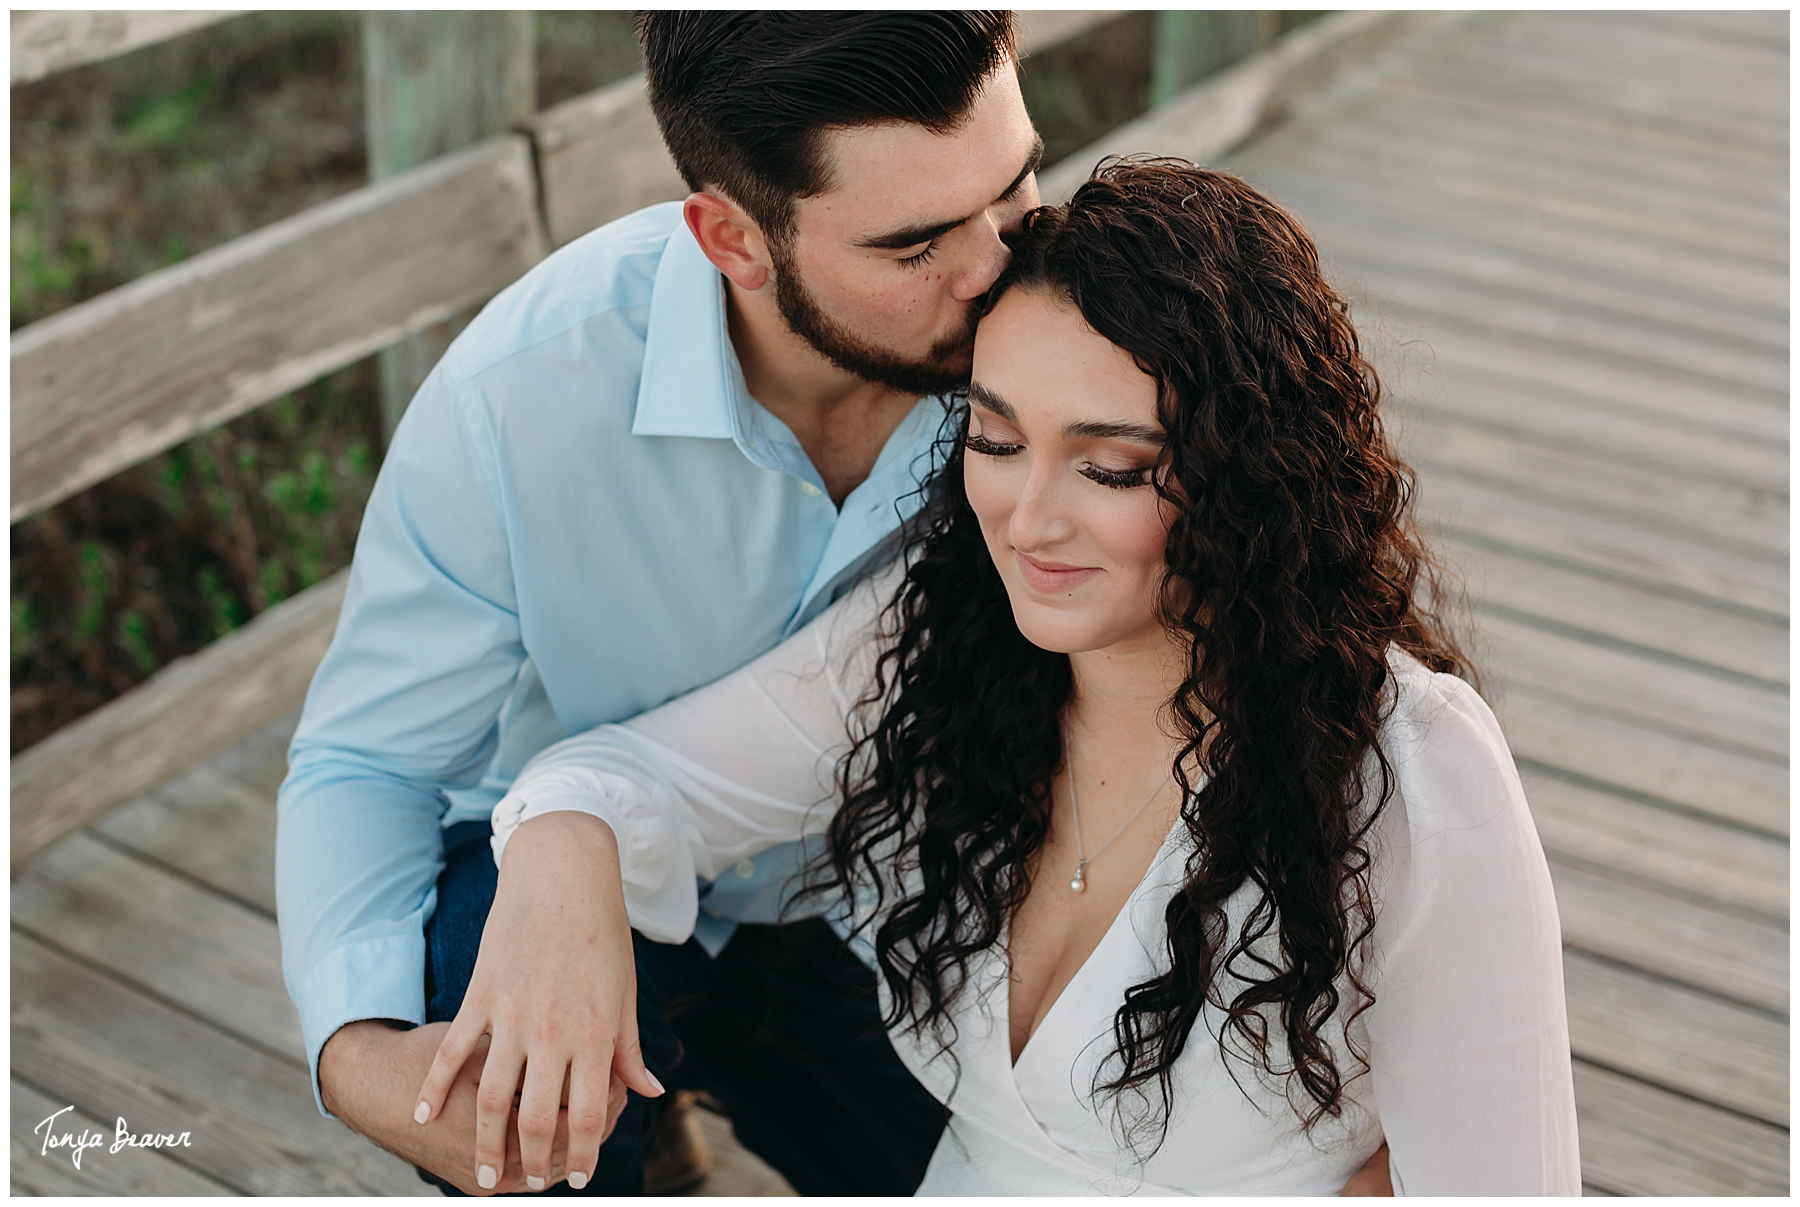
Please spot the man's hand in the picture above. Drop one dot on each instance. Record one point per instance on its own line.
(555, 988)
(367, 1073)
(1372, 1179)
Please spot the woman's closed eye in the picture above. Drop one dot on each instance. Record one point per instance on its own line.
(975, 442)
(1117, 479)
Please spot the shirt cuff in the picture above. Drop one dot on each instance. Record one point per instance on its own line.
(515, 810)
(372, 978)
(658, 876)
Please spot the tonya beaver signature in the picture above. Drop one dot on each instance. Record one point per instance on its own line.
(86, 1139)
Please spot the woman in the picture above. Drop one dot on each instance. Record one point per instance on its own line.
(1187, 863)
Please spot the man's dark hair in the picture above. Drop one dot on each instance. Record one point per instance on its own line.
(743, 97)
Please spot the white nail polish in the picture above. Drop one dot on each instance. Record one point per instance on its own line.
(421, 1112)
(533, 1181)
(486, 1178)
(578, 1180)
(655, 1082)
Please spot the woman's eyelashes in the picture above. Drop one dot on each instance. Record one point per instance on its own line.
(1117, 479)
(975, 442)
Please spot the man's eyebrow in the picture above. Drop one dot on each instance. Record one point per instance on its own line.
(912, 236)
(1086, 429)
(1033, 161)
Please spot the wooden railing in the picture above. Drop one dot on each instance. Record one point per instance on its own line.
(112, 381)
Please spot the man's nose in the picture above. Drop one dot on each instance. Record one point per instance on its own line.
(988, 258)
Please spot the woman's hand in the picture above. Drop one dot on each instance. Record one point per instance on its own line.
(555, 987)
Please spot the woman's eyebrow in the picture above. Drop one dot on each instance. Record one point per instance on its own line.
(987, 400)
(1085, 429)
(1111, 429)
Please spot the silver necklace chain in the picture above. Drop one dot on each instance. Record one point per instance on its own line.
(1082, 859)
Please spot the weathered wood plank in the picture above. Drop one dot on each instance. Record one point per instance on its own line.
(1545, 594)
(1461, 82)
(1638, 1139)
(130, 1171)
(1208, 120)
(1732, 284)
(1521, 315)
(1438, 175)
(1730, 714)
(435, 82)
(601, 156)
(1564, 434)
(1685, 84)
(1737, 437)
(1586, 744)
(1578, 139)
(1361, 237)
(1623, 549)
(49, 41)
(184, 713)
(1041, 28)
(1761, 30)
(216, 821)
(1677, 1037)
(1738, 189)
(1586, 479)
(108, 382)
(1716, 952)
(114, 1052)
(1675, 75)
(214, 957)
(1582, 826)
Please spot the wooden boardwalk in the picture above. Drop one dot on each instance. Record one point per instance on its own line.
(1567, 234)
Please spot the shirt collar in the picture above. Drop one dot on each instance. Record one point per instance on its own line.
(691, 383)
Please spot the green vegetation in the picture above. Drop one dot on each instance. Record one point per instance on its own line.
(121, 168)
(173, 554)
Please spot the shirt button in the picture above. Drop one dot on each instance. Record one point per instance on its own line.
(746, 868)
(808, 488)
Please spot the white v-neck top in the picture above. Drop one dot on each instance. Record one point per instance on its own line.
(1467, 1039)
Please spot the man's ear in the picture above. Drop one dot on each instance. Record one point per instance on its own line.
(730, 239)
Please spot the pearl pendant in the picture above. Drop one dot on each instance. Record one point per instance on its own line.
(1079, 884)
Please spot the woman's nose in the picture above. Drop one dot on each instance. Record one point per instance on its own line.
(1040, 517)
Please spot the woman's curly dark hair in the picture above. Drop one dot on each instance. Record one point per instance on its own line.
(1293, 566)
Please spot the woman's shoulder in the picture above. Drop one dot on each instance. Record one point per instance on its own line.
(1447, 751)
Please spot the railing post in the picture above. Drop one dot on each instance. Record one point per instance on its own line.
(1192, 44)
(433, 82)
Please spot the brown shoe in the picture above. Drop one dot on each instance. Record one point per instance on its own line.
(678, 1160)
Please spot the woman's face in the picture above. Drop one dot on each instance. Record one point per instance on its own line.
(1063, 435)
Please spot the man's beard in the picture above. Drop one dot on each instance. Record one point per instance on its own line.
(931, 375)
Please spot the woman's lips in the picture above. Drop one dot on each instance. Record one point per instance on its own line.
(1050, 577)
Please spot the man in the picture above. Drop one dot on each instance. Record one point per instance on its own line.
(670, 444)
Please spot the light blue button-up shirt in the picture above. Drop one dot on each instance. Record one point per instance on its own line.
(583, 514)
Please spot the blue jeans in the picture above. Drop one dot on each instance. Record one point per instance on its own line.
(782, 1028)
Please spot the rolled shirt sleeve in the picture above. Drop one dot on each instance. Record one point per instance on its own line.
(720, 774)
